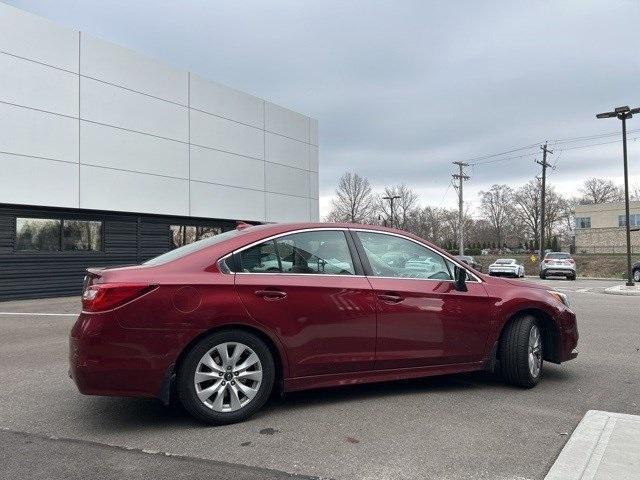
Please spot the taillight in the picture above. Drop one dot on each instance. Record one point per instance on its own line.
(571, 260)
(547, 261)
(107, 296)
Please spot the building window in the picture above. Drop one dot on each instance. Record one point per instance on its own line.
(634, 220)
(81, 235)
(583, 222)
(37, 234)
(184, 234)
(54, 234)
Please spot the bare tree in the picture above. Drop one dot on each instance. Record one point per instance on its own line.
(526, 202)
(598, 190)
(495, 205)
(402, 206)
(354, 201)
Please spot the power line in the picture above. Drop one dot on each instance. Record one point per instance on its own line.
(473, 160)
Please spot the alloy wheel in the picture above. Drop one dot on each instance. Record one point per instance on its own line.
(535, 352)
(228, 377)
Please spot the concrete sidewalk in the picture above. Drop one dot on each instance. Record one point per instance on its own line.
(604, 446)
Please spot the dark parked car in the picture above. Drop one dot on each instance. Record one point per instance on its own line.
(469, 260)
(210, 322)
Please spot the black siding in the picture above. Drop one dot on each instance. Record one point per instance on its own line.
(127, 239)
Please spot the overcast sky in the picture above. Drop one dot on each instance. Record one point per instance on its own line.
(403, 88)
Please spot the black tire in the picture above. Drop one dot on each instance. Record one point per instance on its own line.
(543, 275)
(571, 277)
(185, 378)
(514, 352)
(636, 275)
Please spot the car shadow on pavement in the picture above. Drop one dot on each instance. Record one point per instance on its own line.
(129, 415)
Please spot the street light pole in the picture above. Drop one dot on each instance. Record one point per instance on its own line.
(624, 113)
(391, 199)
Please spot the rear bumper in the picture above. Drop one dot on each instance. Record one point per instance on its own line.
(559, 270)
(106, 359)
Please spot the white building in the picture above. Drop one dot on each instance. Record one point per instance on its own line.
(94, 136)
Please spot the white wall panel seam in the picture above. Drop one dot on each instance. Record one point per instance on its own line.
(290, 138)
(38, 157)
(226, 151)
(37, 62)
(227, 185)
(79, 115)
(226, 118)
(133, 90)
(189, 137)
(264, 154)
(39, 110)
(133, 171)
(134, 131)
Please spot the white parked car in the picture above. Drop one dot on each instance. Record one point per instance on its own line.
(506, 266)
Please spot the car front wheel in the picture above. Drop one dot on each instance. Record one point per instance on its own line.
(636, 275)
(226, 377)
(521, 352)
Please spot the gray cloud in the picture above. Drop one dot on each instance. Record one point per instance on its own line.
(402, 88)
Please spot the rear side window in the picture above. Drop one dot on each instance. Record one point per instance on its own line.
(192, 247)
(316, 252)
(261, 258)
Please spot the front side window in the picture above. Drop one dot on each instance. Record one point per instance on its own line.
(37, 234)
(391, 256)
(81, 235)
(316, 252)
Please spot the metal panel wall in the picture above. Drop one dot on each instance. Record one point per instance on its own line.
(105, 120)
(127, 239)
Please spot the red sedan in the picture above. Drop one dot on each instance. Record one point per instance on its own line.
(226, 320)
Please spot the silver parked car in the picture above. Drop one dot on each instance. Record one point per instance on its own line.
(558, 263)
(506, 266)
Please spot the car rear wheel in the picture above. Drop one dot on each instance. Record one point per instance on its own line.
(543, 275)
(521, 352)
(226, 377)
(636, 275)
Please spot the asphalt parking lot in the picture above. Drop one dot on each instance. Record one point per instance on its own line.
(459, 426)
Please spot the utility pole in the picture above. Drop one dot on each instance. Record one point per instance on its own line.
(544, 164)
(460, 177)
(624, 113)
(391, 199)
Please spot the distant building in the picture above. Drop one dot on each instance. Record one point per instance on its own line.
(601, 228)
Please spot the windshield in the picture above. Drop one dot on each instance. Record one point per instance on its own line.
(558, 255)
(505, 261)
(192, 247)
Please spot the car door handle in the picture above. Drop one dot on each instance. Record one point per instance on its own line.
(271, 294)
(390, 297)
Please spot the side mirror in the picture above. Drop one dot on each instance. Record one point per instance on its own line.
(460, 275)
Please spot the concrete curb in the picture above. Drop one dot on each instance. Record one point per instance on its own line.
(604, 445)
(623, 290)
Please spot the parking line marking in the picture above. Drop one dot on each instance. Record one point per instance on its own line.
(41, 314)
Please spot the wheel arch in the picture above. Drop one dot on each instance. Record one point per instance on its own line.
(550, 331)
(280, 363)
